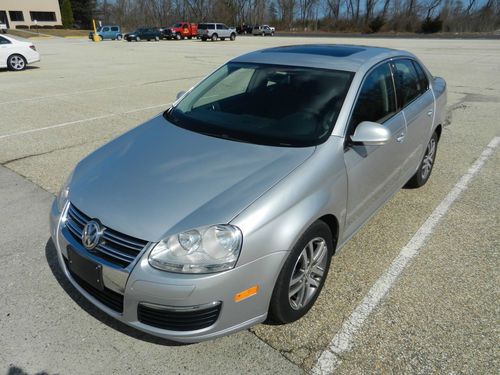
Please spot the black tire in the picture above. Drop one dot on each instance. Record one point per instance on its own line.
(223, 39)
(178, 36)
(424, 170)
(101, 38)
(157, 38)
(232, 37)
(263, 33)
(137, 38)
(118, 37)
(16, 62)
(214, 37)
(283, 308)
(203, 39)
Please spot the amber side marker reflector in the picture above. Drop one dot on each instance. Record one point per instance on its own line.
(252, 291)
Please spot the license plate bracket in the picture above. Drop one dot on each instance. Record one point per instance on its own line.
(85, 268)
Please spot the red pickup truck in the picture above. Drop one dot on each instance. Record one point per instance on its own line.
(183, 30)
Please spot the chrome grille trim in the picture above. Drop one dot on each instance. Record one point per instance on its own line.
(117, 248)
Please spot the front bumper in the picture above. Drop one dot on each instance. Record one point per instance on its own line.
(140, 284)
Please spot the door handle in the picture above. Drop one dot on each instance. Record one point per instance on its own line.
(400, 137)
(430, 112)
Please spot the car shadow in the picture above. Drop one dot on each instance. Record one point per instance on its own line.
(53, 262)
(29, 67)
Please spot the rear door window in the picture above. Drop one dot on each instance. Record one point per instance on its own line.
(422, 77)
(408, 85)
(114, 28)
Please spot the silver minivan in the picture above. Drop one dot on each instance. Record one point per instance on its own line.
(225, 210)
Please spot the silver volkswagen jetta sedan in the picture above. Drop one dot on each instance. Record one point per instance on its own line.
(226, 209)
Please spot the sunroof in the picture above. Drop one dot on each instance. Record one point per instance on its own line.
(318, 49)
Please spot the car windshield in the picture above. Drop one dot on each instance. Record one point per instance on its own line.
(177, 25)
(265, 104)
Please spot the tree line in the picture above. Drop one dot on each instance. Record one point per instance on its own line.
(298, 15)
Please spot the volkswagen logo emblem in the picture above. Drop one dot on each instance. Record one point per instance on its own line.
(91, 234)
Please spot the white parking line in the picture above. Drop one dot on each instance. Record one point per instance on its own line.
(87, 91)
(343, 341)
(81, 121)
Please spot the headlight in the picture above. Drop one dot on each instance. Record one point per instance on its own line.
(63, 195)
(204, 250)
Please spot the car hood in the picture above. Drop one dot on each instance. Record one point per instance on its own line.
(159, 179)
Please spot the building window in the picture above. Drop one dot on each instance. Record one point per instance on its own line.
(43, 16)
(16, 15)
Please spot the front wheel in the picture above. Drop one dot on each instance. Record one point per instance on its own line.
(137, 39)
(233, 36)
(157, 38)
(425, 168)
(303, 275)
(16, 62)
(214, 37)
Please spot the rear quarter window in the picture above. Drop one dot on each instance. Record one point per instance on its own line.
(422, 77)
(408, 86)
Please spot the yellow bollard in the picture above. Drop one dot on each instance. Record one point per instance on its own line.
(95, 37)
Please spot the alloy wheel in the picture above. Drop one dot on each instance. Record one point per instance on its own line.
(428, 158)
(308, 273)
(17, 62)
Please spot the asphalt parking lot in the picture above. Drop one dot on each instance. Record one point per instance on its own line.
(440, 316)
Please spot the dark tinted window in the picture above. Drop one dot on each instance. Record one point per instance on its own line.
(16, 15)
(422, 77)
(376, 100)
(105, 29)
(205, 26)
(221, 26)
(43, 16)
(114, 28)
(407, 82)
(4, 41)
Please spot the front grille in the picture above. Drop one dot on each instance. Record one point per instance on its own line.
(115, 247)
(107, 297)
(175, 320)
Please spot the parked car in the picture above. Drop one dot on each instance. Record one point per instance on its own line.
(143, 33)
(3, 27)
(273, 29)
(227, 208)
(215, 31)
(165, 32)
(244, 29)
(108, 32)
(16, 54)
(183, 30)
(262, 30)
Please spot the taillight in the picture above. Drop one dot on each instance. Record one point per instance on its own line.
(33, 47)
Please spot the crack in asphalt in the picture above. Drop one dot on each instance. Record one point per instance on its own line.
(6, 163)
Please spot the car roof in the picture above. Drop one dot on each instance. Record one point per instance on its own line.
(326, 56)
(12, 39)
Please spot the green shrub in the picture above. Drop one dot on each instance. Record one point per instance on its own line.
(431, 25)
(376, 24)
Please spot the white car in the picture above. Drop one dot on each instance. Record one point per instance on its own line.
(273, 29)
(16, 54)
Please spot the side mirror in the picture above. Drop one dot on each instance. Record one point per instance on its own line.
(180, 94)
(371, 134)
